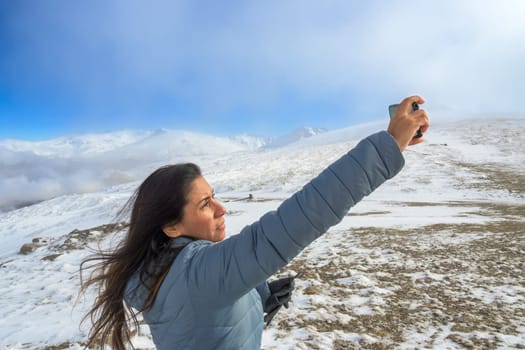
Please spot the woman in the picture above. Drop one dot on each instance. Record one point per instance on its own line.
(197, 290)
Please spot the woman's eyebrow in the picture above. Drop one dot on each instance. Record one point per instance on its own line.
(204, 199)
(208, 196)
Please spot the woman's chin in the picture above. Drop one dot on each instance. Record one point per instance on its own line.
(221, 235)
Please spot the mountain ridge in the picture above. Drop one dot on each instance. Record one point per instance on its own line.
(28, 177)
(400, 260)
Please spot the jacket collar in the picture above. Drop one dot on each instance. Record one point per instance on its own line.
(181, 241)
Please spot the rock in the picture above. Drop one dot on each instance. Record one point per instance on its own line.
(36, 242)
(28, 248)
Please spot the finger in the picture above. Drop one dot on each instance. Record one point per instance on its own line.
(269, 317)
(280, 283)
(422, 120)
(274, 310)
(285, 299)
(271, 303)
(415, 98)
(425, 124)
(282, 293)
(406, 105)
(416, 141)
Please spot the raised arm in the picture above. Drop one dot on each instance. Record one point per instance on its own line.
(241, 262)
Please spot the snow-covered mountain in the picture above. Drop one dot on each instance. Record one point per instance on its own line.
(180, 142)
(74, 146)
(34, 171)
(432, 259)
(294, 136)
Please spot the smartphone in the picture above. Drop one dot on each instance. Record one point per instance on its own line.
(392, 111)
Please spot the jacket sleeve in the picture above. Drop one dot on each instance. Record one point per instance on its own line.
(264, 292)
(238, 264)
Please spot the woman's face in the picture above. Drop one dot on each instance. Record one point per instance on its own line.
(203, 216)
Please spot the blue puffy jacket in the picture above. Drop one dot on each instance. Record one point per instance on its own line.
(213, 294)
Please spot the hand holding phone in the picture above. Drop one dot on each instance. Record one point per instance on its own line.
(406, 119)
(392, 111)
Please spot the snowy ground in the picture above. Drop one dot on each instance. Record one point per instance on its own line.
(432, 259)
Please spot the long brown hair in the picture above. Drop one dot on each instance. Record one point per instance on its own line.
(146, 250)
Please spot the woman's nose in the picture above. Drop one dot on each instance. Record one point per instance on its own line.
(220, 210)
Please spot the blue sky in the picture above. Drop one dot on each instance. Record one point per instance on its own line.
(263, 68)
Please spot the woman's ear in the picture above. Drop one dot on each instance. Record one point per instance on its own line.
(171, 230)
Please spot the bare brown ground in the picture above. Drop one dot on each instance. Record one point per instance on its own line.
(460, 281)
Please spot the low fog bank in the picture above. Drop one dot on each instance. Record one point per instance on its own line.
(31, 172)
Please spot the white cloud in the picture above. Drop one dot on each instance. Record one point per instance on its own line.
(36, 171)
(466, 55)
